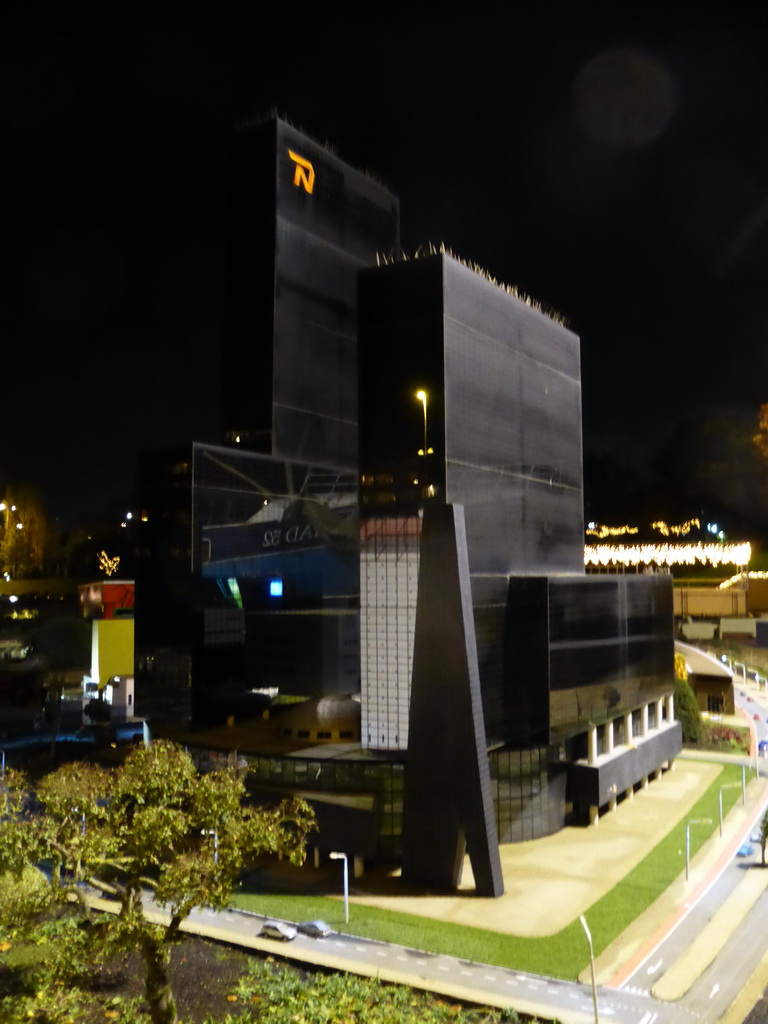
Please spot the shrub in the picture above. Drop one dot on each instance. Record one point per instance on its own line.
(687, 711)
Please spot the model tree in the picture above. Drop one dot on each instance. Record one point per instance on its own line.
(686, 707)
(153, 826)
(24, 531)
(764, 835)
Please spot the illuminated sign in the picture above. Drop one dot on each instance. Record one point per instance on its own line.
(304, 172)
(109, 565)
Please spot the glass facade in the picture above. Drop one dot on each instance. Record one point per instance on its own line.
(382, 781)
(501, 423)
(277, 543)
(528, 788)
(503, 410)
(585, 650)
(301, 223)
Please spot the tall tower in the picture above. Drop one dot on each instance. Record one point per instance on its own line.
(472, 409)
(276, 540)
(300, 224)
(499, 424)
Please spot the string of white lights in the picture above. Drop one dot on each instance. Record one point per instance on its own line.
(667, 554)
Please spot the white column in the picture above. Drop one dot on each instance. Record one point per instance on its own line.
(592, 744)
(628, 729)
(609, 737)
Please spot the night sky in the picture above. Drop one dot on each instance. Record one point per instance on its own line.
(616, 171)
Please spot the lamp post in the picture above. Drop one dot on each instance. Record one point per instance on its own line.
(696, 821)
(343, 856)
(591, 964)
(421, 395)
(215, 834)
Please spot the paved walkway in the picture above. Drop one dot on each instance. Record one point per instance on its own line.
(549, 882)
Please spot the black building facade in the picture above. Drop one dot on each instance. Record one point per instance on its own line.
(458, 395)
(276, 554)
(300, 224)
(473, 400)
(503, 422)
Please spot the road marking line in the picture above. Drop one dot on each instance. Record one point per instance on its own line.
(442, 967)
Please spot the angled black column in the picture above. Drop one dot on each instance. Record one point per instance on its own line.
(448, 807)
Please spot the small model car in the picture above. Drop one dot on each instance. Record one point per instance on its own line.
(277, 930)
(745, 851)
(315, 929)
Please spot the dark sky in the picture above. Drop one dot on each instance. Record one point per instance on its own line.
(615, 170)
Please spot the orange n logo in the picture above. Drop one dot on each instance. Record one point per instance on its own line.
(304, 172)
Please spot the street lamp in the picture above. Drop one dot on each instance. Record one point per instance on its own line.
(343, 856)
(729, 785)
(215, 834)
(591, 964)
(695, 821)
(421, 395)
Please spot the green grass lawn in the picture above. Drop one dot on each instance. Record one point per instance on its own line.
(563, 955)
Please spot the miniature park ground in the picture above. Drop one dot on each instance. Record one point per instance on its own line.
(548, 884)
(215, 983)
(204, 974)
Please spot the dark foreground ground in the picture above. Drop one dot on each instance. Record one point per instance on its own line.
(204, 977)
(759, 1012)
